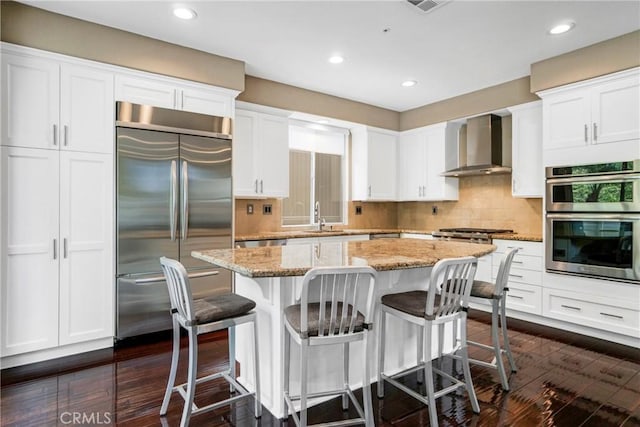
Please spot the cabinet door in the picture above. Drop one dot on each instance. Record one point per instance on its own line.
(273, 164)
(245, 158)
(205, 102)
(616, 111)
(411, 166)
(30, 102)
(381, 166)
(145, 91)
(567, 119)
(29, 249)
(528, 172)
(86, 262)
(87, 109)
(438, 187)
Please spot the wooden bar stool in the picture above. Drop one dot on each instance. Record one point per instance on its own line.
(199, 317)
(342, 314)
(445, 301)
(481, 292)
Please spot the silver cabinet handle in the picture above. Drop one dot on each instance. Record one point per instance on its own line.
(517, 262)
(513, 184)
(586, 129)
(55, 248)
(173, 199)
(261, 187)
(66, 135)
(256, 186)
(595, 131)
(64, 247)
(515, 275)
(185, 199)
(515, 296)
(419, 191)
(369, 191)
(571, 307)
(55, 134)
(612, 315)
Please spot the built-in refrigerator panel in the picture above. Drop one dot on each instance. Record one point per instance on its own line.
(147, 164)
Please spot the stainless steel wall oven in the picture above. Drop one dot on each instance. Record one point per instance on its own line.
(593, 220)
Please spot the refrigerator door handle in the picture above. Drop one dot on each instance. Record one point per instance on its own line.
(159, 279)
(173, 201)
(185, 200)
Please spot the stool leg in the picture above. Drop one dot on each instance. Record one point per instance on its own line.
(303, 382)
(285, 371)
(232, 355)
(495, 338)
(191, 379)
(174, 367)
(428, 374)
(256, 369)
(381, 354)
(366, 383)
(419, 356)
(440, 343)
(465, 366)
(345, 375)
(505, 335)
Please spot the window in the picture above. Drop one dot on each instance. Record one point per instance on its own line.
(317, 168)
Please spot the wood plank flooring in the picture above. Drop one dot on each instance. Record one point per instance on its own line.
(563, 379)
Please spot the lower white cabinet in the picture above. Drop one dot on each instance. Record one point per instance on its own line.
(56, 248)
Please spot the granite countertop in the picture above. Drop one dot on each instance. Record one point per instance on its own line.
(518, 236)
(382, 255)
(272, 235)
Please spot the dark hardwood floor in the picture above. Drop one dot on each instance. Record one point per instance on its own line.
(564, 379)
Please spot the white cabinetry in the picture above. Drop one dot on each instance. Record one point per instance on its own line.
(373, 164)
(174, 94)
(585, 115)
(260, 155)
(525, 276)
(423, 154)
(528, 172)
(51, 105)
(56, 248)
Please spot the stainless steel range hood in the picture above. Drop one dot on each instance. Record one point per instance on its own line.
(481, 152)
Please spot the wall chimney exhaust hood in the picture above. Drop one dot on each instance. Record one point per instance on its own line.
(481, 152)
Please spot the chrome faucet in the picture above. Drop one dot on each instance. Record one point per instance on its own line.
(316, 217)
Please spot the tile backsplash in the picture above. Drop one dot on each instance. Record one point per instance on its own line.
(484, 201)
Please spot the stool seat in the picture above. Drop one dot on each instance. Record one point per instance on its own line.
(293, 315)
(482, 289)
(221, 307)
(412, 303)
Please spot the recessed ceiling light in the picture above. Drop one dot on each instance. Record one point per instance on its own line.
(562, 28)
(184, 13)
(336, 59)
(409, 83)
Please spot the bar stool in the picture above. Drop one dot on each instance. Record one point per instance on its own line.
(481, 292)
(342, 314)
(199, 317)
(445, 301)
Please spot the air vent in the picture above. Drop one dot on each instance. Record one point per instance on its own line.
(426, 5)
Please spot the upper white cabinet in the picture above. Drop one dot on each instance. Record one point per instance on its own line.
(528, 172)
(174, 94)
(260, 155)
(423, 154)
(373, 164)
(51, 105)
(603, 110)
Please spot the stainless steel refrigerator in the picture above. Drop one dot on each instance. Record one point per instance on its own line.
(174, 196)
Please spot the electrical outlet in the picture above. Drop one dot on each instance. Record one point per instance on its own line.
(249, 209)
(358, 210)
(266, 209)
(434, 210)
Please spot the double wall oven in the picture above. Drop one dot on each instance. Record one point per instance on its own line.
(593, 220)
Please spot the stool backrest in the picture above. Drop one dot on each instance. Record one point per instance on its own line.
(503, 271)
(339, 289)
(179, 288)
(451, 279)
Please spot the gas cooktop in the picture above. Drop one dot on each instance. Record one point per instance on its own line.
(477, 230)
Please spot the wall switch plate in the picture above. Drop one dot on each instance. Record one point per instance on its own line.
(266, 209)
(434, 210)
(249, 209)
(358, 210)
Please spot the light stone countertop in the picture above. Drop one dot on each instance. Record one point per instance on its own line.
(382, 255)
(517, 236)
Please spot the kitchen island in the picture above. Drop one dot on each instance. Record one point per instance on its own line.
(272, 277)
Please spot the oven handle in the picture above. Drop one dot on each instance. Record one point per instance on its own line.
(607, 216)
(599, 178)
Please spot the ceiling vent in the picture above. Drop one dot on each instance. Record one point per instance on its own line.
(427, 5)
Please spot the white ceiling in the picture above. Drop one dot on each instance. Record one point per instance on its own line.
(462, 46)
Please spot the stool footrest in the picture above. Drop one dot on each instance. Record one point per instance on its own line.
(352, 421)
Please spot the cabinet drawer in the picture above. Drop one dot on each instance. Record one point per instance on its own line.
(519, 275)
(597, 312)
(523, 297)
(526, 262)
(525, 247)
